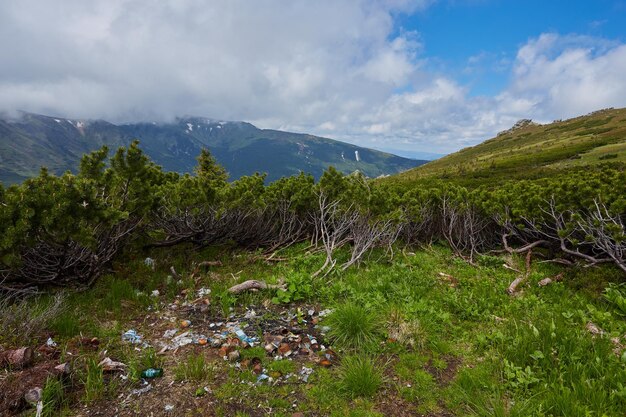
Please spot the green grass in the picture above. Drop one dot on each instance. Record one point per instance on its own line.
(52, 397)
(528, 355)
(530, 152)
(93, 381)
(194, 368)
(360, 376)
(354, 327)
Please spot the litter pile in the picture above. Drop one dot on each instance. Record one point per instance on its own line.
(288, 334)
(26, 374)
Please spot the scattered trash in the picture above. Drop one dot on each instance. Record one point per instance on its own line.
(132, 337)
(263, 377)
(169, 333)
(305, 373)
(155, 293)
(234, 355)
(150, 263)
(109, 365)
(34, 395)
(185, 323)
(152, 373)
(143, 390)
(182, 339)
(17, 358)
(244, 338)
(202, 292)
(169, 407)
(51, 343)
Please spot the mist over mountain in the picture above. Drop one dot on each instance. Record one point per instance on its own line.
(29, 141)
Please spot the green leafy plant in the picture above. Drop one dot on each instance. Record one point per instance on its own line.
(615, 295)
(518, 378)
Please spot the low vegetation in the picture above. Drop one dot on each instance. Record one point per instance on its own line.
(425, 298)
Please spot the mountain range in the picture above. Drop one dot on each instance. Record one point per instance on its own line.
(30, 141)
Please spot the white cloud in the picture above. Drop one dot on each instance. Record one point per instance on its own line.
(339, 68)
(565, 76)
(553, 77)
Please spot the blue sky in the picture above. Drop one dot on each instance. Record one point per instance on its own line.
(475, 41)
(408, 76)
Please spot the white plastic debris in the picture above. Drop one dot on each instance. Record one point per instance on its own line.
(109, 365)
(51, 343)
(182, 339)
(150, 263)
(156, 293)
(305, 373)
(203, 292)
(140, 391)
(169, 333)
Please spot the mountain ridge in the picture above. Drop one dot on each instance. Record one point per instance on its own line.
(32, 140)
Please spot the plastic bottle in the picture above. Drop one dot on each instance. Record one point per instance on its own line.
(152, 373)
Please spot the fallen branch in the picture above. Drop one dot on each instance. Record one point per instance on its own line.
(452, 281)
(548, 281)
(512, 289)
(594, 329)
(209, 263)
(255, 285)
(174, 273)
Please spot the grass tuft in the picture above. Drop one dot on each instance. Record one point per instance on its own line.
(93, 381)
(360, 376)
(194, 369)
(354, 327)
(52, 397)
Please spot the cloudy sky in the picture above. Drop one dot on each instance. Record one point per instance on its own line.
(402, 75)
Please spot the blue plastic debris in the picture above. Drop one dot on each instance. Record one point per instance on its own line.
(132, 337)
(245, 338)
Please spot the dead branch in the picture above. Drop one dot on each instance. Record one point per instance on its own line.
(594, 329)
(333, 225)
(174, 273)
(548, 281)
(255, 285)
(512, 289)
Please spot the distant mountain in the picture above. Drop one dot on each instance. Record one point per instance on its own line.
(31, 141)
(529, 149)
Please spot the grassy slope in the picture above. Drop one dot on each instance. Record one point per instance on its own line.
(533, 151)
(471, 349)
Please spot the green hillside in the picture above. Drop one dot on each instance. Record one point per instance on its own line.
(529, 150)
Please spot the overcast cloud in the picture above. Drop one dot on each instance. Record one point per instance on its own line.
(335, 68)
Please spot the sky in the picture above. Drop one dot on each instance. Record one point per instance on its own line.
(408, 76)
